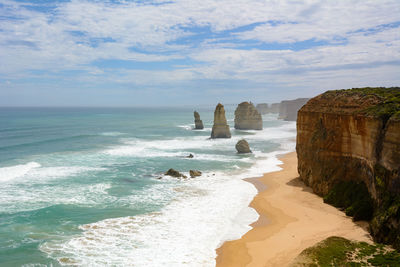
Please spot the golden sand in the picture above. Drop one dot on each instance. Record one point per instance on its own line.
(292, 218)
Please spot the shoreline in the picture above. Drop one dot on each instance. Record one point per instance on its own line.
(291, 219)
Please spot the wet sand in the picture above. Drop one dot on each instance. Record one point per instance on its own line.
(292, 218)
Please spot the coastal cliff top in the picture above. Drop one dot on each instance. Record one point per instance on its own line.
(376, 102)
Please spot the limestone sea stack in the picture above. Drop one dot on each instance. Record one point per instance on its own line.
(242, 146)
(220, 128)
(198, 124)
(247, 117)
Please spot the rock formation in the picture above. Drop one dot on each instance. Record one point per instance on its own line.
(242, 146)
(247, 117)
(175, 173)
(198, 124)
(348, 140)
(288, 108)
(220, 128)
(264, 108)
(194, 173)
(274, 108)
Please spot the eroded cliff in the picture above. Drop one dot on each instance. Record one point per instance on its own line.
(348, 140)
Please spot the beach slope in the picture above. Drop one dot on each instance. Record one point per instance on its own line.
(292, 219)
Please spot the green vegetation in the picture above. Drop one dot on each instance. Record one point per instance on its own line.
(353, 197)
(338, 251)
(388, 106)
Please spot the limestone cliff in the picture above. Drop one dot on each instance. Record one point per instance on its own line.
(288, 108)
(247, 117)
(198, 123)
(220, 128)
(348, 140)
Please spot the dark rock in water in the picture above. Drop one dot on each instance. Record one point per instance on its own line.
(198, 123)
(190, 156)
(194, 173)
(174, 173)
(247, 117)
(242, 146)
(220, 128)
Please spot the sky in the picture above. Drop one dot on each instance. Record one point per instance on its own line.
(192, 52)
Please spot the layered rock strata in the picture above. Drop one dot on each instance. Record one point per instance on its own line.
(198, 123)
(220, 128)
(351, 138)
(247, 117)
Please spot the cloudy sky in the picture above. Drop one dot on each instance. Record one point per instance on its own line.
(185, 52)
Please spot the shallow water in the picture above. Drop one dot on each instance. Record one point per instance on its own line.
(78, 186)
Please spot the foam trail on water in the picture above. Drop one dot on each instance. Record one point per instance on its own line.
(205, 211)
(13, 172)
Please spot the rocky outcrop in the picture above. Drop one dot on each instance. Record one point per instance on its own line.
(175, 173)
(264, 108)
(351, 138)
(194, 173)
(247, 117)
(220, 128)
(242, 147)
(198, 123)
(288, 108)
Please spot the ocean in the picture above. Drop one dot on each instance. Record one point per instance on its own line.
(82, 187)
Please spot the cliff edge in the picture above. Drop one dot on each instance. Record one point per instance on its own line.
(348, 148)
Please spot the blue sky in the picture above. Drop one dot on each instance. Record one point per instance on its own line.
(186, 52)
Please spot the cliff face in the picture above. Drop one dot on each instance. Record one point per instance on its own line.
(220, 128)
(288, 108)
(247, 117)
(197, 121)
(353, 136)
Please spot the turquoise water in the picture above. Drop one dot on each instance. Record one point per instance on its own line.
(79, 186)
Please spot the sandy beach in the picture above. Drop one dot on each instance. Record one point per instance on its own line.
(292, 218)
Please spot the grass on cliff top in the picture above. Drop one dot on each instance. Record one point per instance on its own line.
(390, 105)
(338, 251)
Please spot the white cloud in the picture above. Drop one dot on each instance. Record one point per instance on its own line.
(75, 34)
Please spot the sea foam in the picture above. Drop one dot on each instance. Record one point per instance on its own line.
(13, 172)
(204, 212)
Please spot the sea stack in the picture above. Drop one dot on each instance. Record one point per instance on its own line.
(247, 117)
(220, 128)
(198, 124)
(242, 147)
